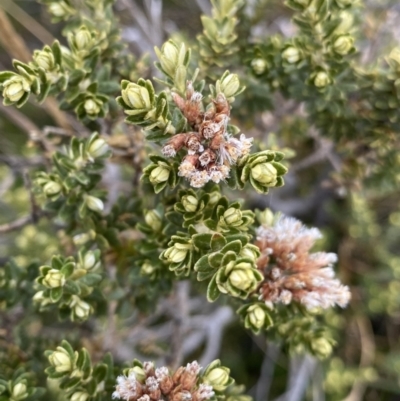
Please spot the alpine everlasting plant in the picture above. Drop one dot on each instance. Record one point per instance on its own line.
(154, 195)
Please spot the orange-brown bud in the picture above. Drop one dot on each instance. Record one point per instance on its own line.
(207, 157)
(166, 385)
(177, 375)
(193, 143)
(217, 141)
(222, 105)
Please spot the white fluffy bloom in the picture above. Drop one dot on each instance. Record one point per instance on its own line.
(126, 387)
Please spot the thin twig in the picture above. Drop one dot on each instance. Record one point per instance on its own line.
(267, 371)
(29, 23)
(180, 315)
(14, 225)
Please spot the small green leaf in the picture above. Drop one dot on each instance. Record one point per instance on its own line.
(202, 241)
(212, 290)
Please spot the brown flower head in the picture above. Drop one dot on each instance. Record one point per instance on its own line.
(292, 272)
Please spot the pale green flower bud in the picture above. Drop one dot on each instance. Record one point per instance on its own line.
(256, 316)
(60, 9)
(15, 87)
(259, 65)
(44, 59)
(230, 85)
(19, 391)
(321, 79)
(233, 216)
(291, 55)
(266, 217)
(190, 203)
(83, 39)
(80, 396)
(92, 107)
(242, 277)
(169, 58)
(249, 252)
(343, 44)
(89, 260)
(60, 360)
(153, 219)
(265, 173)
(140, 374)
(38, 297)
(218, 378)
(54, 279)
(147, 269)
(52, 188)
(82, 239)
(136, 96)
(177, 253)
(94, 203)
(159, 174)
(80, 308)
(98, 148)
(322, 347)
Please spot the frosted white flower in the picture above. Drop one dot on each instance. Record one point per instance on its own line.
(186, 169)
(193, 368)
(199, 179)
(152, 383)
(169, 151)
(219, 173)
(144, 398)
(297, 274)
(126, 387)
(205, 392)
(161, 373)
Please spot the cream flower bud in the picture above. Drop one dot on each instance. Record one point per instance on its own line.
(15, 87)
(190, 203)
(60, 360)
(91, 107)
(169, 58)
(249, 252)
(177, 253)
(140, 374)
(98, 148)
(343, 44)
(218, 378)
(38, 297)
(259, 65)
(44, 59)
(83, 38)
(80, 308)
(265, 173)
(80, 396)
(158, 175)
(233, 216)
(89, 260)
(52, 188)
(94, 203)
(256, 316)
(54, 279)
(147, 269)
(153, 219)
(82, 239)
(242, 278)
(291, 55)
(19, 391)
(230, 85)
(266, 217)
(60, 9)
(322, 347)
(321, 79)
(136, 96)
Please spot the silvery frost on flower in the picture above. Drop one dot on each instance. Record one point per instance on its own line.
(294, 273)
(211, 150)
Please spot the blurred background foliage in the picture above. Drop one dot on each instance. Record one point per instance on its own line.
(342, 144)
